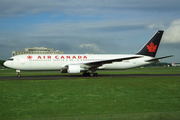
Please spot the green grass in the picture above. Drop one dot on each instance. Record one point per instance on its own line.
(153, 70)
(88, 96)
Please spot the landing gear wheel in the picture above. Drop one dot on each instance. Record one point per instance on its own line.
(95, 74)
(90, 74)
(18, 75)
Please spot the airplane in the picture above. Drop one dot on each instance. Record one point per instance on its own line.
(87, 63)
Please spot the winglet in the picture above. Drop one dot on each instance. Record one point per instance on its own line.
(151, 47)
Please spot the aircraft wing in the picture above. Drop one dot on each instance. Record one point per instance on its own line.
(102, 62)
(96, 64)
(157, 59)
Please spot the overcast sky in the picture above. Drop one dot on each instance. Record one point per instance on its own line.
(89, 26)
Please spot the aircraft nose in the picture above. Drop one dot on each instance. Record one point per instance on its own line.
(6, 64)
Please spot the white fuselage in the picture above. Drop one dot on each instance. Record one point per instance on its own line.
(60, 61)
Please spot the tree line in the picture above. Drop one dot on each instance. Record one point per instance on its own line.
(1, 62)
(160, 64)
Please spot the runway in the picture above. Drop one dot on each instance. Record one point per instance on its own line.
(55, 77)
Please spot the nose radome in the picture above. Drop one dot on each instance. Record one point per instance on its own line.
(6, 64)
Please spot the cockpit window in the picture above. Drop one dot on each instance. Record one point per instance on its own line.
(11, 59)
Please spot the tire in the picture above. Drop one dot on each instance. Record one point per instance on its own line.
(95, 74)
(18, 75)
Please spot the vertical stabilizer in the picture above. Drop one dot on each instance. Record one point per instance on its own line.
(151, 47)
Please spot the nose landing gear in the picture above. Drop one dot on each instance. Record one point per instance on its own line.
(18, 73)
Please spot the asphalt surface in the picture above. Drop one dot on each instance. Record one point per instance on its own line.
(50, 77)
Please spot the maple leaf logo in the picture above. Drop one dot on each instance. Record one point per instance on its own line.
(29, 57)
(152, 48)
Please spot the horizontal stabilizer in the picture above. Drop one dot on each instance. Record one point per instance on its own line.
(157, 59)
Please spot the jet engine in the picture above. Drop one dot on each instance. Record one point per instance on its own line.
(73, 69)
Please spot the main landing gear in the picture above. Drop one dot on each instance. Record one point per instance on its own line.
(18, 73)
(90, 74)
(94, 74)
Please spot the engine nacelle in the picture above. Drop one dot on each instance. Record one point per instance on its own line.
(73, 69)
